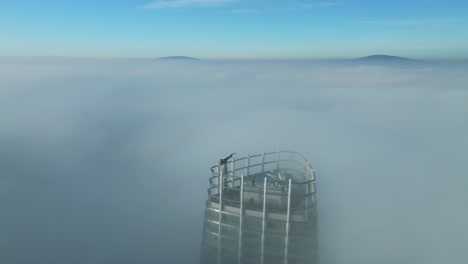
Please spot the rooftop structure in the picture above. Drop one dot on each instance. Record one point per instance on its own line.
(261, 209)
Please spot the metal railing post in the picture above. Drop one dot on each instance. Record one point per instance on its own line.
(263, 162)
(220, 216)
(307, 201)
(288, 216)
(241, 217)
(262, 258)
(232, 172)
(219, 176)
(247, 166)
(279, 159)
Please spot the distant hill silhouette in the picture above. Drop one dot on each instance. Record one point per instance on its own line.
(178, 58)
(385, 59)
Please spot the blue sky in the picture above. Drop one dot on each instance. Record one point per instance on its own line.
(235, 29)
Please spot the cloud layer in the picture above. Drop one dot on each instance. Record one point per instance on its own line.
(108, 161)
(160, 4)
(408, 22)
(244, 7)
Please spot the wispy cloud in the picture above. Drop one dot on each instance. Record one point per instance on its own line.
(160, 4)
(163, 4)
(320, 4)
(406, 22)
(295, 6)
(245, 11)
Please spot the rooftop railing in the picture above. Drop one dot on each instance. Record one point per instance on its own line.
(250, 165)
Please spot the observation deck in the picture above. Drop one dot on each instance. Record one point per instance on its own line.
(261, 209)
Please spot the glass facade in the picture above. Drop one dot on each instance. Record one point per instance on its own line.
(261, 209)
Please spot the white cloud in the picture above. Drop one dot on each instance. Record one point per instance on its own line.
(295, 6)
(320, 4)
(406, 22)
(244, 11)
(160, 4)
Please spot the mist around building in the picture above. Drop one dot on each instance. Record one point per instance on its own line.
(108, 160)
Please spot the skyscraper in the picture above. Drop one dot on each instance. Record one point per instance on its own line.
(261, 209)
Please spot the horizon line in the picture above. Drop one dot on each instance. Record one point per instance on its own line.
(224, 58)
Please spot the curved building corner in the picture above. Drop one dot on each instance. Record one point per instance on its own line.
(261, 209)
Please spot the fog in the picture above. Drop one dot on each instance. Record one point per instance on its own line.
(107, 161)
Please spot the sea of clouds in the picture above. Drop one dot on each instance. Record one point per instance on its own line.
(107, 161)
